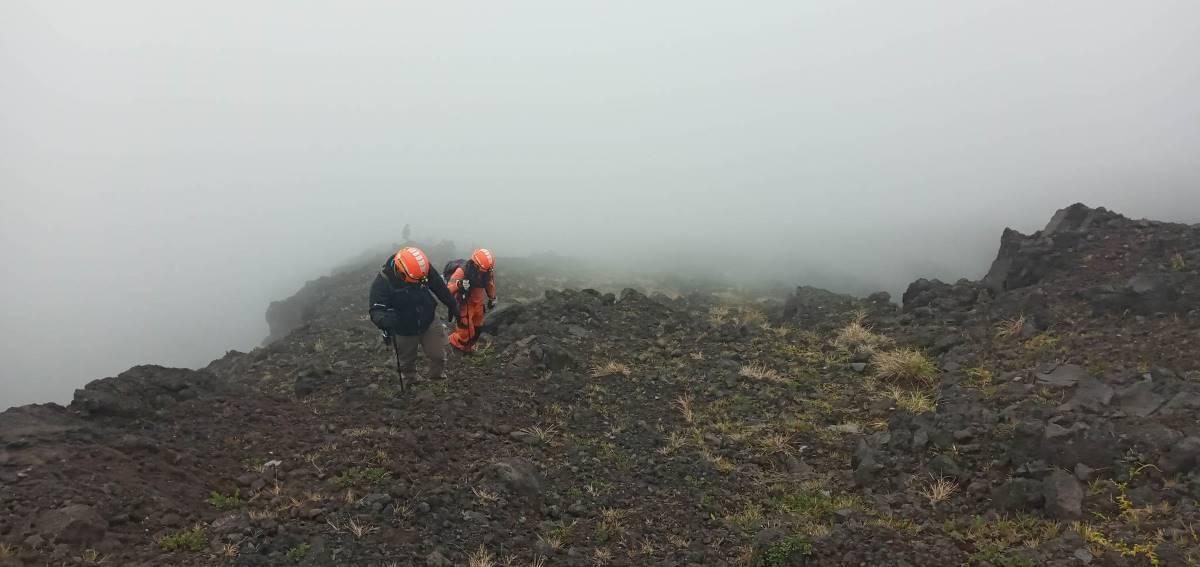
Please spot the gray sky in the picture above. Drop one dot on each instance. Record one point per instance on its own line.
(166, 171)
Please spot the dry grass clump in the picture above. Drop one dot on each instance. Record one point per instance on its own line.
(857, 337)
(915, 402)
(906, 366)
(610, 369)
(481, 558)
(1010, 327)
(939, 490)
(684, 405)
(759, 371)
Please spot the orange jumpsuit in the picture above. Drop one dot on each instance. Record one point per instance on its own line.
(471, 310)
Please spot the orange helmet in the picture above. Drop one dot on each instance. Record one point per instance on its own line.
(484, 259)
(411, 264)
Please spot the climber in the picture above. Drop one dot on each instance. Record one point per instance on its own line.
(403, 306)
(469, 280)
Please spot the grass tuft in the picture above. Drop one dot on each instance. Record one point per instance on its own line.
(481, 558)
(783, 552)
(610, 369)
(610, 524)
(358, 476)
(906, 366)
(915, 402)
(223, 502)
(193, 540)
(939, 490)
(759, 371)
(1041, 345)
(1010, 327)
(1178, 264)
(92, 557)
(298, 552)
(857, 337)
(684, 405)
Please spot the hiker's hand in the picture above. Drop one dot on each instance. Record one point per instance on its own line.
(389, 320)
(462, 324)
(491, 304)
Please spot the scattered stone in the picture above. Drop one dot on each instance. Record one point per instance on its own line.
(946, 343)
(1083, 472)
(172, 520)
(1018, 494)
(1064, 376)
(1092, 395)
(1034, 469)
(436, 559)
(1055, 431)
(76, 524)
(1183, 457)
(306, 384)
(519, 475)
(522, 436)
(1139, 399)
(859, 367)
(1084, 556)
(943, 465)
(920, 439)
(377, 501)
(867, 468)
(1185, 403)
(1064, 496)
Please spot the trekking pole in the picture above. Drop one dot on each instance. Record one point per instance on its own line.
(399, 373)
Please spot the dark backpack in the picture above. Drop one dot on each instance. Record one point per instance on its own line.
(451, 267)
(448, 271)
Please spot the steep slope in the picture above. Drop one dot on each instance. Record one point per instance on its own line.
(620, 429)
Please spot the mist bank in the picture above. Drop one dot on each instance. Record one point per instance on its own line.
(186, 315)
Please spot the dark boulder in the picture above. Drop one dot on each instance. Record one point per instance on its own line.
(143, 390)
(76, 524)
(1183, 458)
(1018, 494)
(518, 475)
(1063, 495)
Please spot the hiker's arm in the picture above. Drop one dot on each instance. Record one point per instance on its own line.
(491, 287)
(455, 280)
(438, 286)
(381, 313)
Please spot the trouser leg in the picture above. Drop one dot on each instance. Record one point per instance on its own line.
(406, 353)
(464, 337)
(433, 342)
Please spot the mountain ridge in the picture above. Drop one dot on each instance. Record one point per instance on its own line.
(664, 426)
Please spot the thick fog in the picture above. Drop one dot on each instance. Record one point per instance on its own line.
(167, 169)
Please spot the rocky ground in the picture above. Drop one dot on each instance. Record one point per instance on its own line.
(1046, 415)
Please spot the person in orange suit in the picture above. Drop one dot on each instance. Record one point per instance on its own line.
(470, 280)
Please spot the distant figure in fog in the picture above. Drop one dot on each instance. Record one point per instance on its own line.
(403, 307)
(469, 280)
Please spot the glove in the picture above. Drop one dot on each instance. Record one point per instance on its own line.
(491, 304)
(386, 320)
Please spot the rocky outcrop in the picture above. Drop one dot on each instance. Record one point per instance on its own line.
(1025, 260)
(144, 390)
